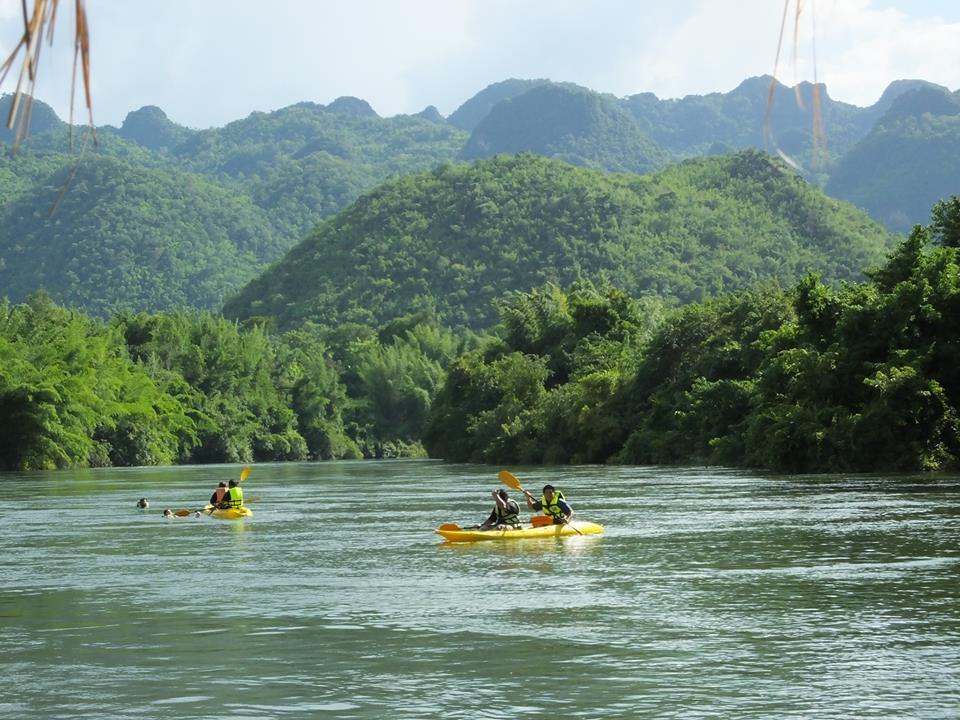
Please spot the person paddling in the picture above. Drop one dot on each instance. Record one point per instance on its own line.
(233, 497)
(553, 503)
(219, 494)
(506, 513)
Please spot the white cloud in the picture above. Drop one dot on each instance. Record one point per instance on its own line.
(860, 49)
(865, 48)
(9, 9)
(206, 63)
(712, 49)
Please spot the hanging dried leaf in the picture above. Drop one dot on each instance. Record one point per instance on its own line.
(43, 20)
(816, 107)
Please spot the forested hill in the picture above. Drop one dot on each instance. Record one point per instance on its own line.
(455, 239)
(256, 187)
(566, 122)
(719, 122)
(474, 110)
(105, 234)
(910, 159)
(300, 163)
(159, 215)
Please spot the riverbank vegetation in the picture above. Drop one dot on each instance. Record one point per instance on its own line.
(815, 377)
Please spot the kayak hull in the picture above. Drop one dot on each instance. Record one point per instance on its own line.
(228, 513)
(528, 531)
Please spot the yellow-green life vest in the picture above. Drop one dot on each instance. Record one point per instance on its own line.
(553, 509)
(234, 497)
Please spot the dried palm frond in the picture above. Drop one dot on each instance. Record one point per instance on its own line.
(41, 21)
(818, 134)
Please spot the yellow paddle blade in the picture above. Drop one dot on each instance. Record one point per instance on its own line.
(244, 473)
(510, 480)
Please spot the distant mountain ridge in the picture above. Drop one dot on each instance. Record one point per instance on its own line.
(472, 112)
(292, 168)
(908, 161)
(568, 122)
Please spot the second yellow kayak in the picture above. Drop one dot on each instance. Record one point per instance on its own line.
(228, 513)
(454, 533)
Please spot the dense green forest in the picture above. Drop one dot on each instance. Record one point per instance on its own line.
(908, 161)
(519, 308)
(159, 216)
(279, 174)
(175, 239)
(859, 378)
(567, 122)
(192, 387)
(454, 240)
(812, 378)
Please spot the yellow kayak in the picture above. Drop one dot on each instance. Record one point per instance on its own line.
(228, 513)
(453, 533)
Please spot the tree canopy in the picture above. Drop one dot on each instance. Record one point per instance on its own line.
(456, 239)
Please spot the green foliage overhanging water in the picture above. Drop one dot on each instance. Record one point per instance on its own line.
(863, 377)
(857, 378)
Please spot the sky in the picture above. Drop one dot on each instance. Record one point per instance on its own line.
(208, 62)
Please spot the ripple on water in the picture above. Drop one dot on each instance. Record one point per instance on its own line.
(712, 594)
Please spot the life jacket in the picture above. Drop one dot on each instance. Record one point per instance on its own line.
(553, 508)
(234, 497)
(217, 496)
(509, 516)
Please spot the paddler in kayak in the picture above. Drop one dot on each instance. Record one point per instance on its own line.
(219, 494)
(233, 498)
(553, 503)
(506, 513)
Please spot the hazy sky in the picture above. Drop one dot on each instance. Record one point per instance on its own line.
(207, 62)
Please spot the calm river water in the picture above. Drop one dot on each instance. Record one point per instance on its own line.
(713, 594)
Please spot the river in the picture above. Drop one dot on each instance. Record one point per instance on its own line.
(712, 594)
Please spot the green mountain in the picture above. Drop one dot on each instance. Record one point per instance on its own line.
(105, 234)
(569, 123)
(720, 122)
(307, 161)
(159, 215)
(300, 164)
(150, 128)
(909, 161)
(284, 172)
(453, 240)
(474, 110)
(42, 119)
